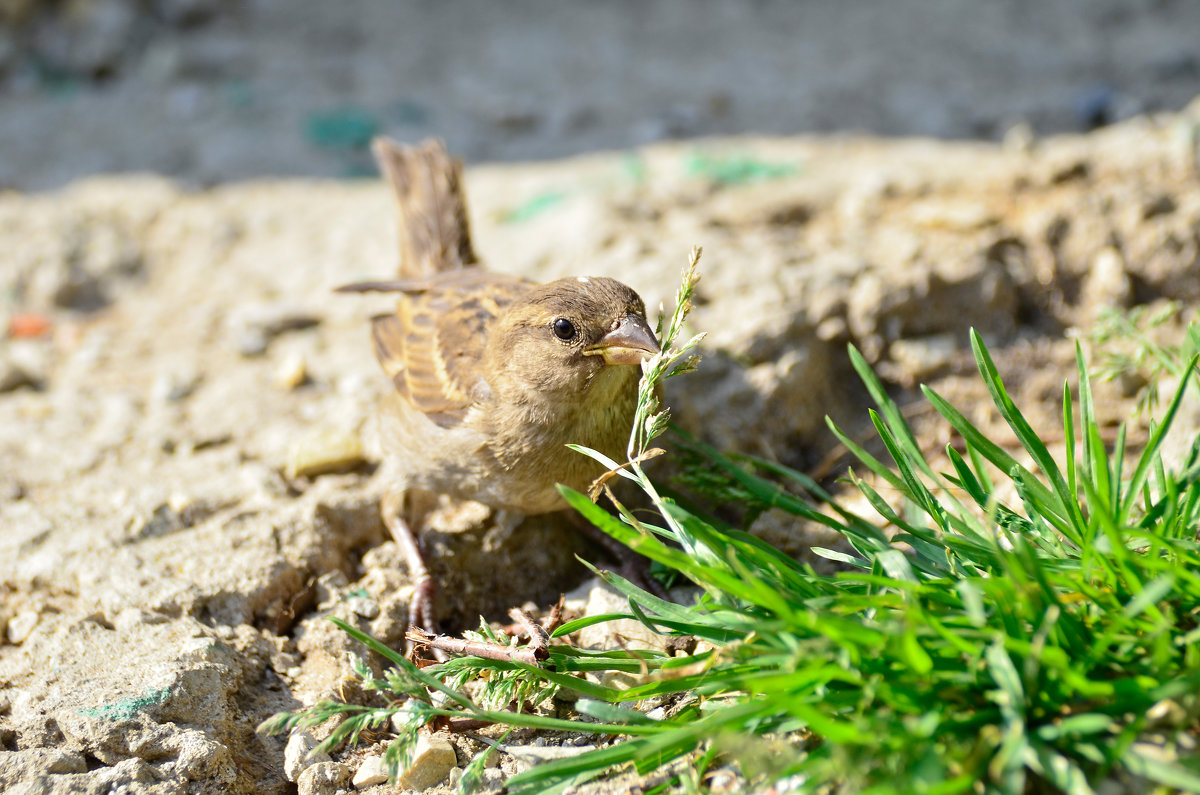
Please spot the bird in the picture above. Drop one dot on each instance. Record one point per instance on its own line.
(493, 375)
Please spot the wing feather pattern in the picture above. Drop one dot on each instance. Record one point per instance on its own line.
(432, 346)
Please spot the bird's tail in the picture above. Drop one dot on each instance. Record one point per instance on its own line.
(427, 183)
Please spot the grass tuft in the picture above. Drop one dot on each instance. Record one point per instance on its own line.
(998, 627)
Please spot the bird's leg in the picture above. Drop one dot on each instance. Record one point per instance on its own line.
(420, 607)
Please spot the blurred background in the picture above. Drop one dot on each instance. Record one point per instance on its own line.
(216, 90)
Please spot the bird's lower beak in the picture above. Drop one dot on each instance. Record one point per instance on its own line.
(631, 342)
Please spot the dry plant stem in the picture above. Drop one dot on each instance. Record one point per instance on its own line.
(548, 624)
(555, 618)
(420, 607)
(539, 640)
(600, 484)
(473, 648)
(460, 725)
(662, 366)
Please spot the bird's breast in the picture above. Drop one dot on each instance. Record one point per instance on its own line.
(531, 446)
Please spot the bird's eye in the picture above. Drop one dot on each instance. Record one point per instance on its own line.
(564, 329)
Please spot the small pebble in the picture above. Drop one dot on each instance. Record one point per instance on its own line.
(369, 773)
(922, 357)
(1166, 712)
(432, 760)
(23, 363)
(20, 626)
(493, 779)
(196, 754)
(251, 342)
(325, 451)
(298, 756)
(323, 778)
(353, 384)
(956, 216)
(364, 607)
(13, 377)
(1020, 137)
(1106, 284)
(658, 713)
(722, 781)
(292, 372)
(172, 387)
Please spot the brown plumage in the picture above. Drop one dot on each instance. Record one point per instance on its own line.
(488, 393)
(434, 235)
(493, 374)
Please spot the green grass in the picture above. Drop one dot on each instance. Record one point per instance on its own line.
(1044, 641)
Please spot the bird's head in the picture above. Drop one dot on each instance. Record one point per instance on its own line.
(562, 335)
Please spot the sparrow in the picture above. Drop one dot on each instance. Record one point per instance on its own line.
(493, 375)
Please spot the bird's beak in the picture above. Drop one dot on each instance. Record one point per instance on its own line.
(631, 342)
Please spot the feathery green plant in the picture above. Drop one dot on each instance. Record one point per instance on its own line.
(1125, 346)
(1021, 628)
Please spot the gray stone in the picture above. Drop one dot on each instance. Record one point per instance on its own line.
(17, 766)
(299, 754)
(199, 757)
(884, 306)
(20, 626)
(432, 759)
(323, 778)
(1106, 285)
(13, 376)
(593, 598)
(322, 451)
(370, 772)
(23, 363)
(921, 357)
(170, 387)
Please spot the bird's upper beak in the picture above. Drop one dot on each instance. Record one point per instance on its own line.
(631, 342)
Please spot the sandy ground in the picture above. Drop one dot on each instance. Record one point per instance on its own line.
(169, 548)
(188, 479)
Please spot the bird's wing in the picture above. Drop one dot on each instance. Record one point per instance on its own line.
(432, 346)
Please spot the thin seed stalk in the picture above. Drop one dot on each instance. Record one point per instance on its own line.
(645, 428)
